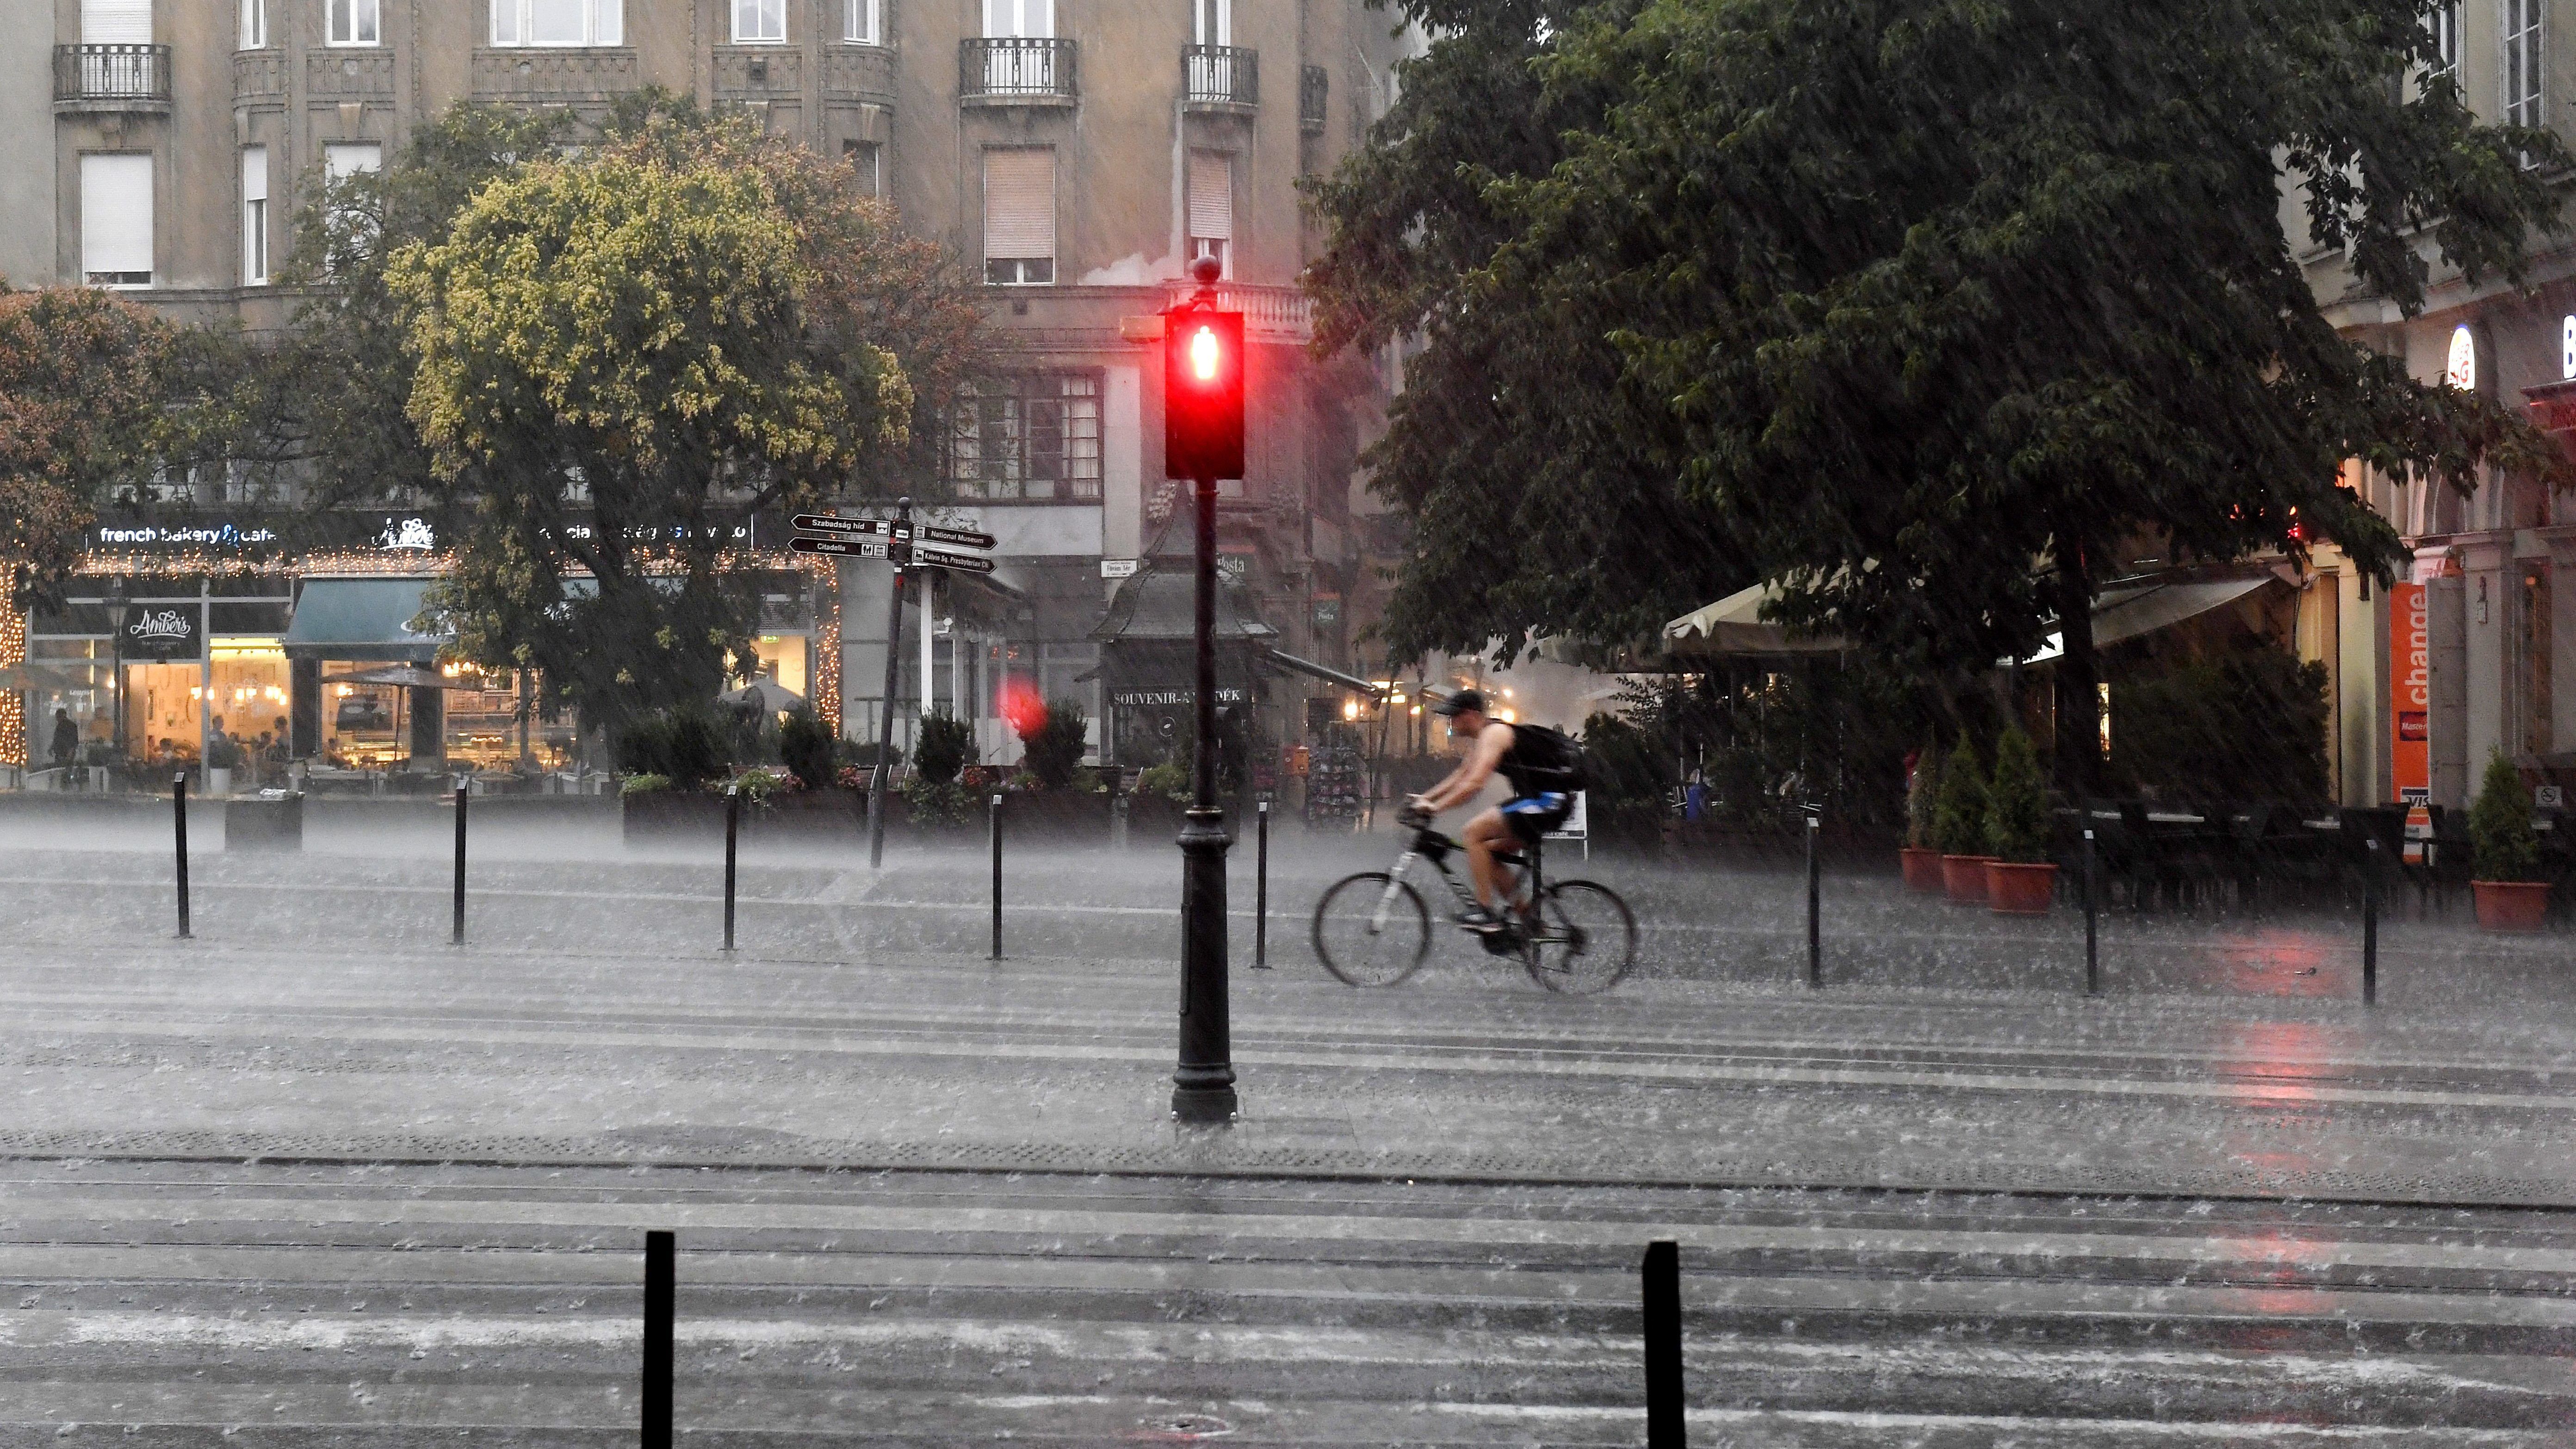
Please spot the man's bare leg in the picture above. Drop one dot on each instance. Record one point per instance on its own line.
(1485, 835)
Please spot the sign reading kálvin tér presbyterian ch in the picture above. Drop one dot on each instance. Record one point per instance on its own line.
(160, 631)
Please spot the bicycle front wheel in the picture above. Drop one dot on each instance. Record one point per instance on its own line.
(1585, 940)
(1371, 929)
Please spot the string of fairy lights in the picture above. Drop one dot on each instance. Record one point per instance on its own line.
(132, 564)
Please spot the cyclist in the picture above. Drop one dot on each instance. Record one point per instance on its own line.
(1544, 769)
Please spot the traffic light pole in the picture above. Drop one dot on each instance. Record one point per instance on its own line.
(1203, 1086)
(884, 777)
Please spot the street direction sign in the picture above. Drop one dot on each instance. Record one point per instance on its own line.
(847, 547)
(964, 538)
(942, 559)
(830, 523)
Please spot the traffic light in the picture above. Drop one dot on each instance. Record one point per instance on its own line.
(1202, 393)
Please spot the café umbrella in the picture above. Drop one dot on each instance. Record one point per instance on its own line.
(764, 694)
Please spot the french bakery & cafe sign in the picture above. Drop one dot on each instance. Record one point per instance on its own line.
(160, 631)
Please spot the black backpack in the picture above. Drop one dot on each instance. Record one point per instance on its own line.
(1550, 760)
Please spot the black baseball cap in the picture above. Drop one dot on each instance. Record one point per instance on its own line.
(1459, 703)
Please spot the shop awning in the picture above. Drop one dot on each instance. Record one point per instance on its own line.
(2133, 612)
(359, 619)
(1734, 625)
(1155, 606)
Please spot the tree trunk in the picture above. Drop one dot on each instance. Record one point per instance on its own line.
(2078, 674)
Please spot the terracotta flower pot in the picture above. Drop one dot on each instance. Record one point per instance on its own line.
(1922, 868)
(1964, 877)
(2511, 905)
(2015, 889)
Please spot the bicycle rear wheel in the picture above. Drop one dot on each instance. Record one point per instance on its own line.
(1371, 929)
(1585, 940)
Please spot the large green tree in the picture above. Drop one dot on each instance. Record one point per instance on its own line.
(618, 354)
(1924, 307)
(84, 378)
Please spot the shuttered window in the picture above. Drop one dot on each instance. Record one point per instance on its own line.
(254, 190)
(116, 220)
(1211, 206)
(1019, 216)
(116, 22)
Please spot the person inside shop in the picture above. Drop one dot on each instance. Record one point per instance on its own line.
(66, 738)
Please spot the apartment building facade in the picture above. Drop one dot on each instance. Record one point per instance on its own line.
(1075, 154)
(2475, 650)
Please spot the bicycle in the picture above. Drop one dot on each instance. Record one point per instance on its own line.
(1572, 936)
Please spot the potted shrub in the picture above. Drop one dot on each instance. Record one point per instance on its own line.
(1922, 862)
(2020, 879)
(2505, 853)
(1959, 826)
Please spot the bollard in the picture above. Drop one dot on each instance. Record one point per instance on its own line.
(1261, 893)
(2370, 922)
(1663, 1303)
(996, 827)
(2092, 920)
(179, 816)
(660, 1248)
(457, 936)
(733, 828)
(1815, 935)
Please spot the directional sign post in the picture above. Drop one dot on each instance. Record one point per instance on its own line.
(890, 539)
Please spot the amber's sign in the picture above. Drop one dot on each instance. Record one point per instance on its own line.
(2410, 701)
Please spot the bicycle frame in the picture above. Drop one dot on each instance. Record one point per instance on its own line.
(1432, 846)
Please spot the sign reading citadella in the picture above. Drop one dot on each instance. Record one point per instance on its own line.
(2462, 371)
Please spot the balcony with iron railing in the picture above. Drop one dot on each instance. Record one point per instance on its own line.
(1314, 83)
(108, 78)
(1003, 70)
(1220, 78)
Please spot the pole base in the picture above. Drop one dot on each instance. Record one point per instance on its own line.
(1204, 1106)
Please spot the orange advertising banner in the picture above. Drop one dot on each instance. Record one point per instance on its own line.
(2410, 703)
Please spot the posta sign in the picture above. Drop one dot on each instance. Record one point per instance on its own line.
(2461, 370)
(2410, 702)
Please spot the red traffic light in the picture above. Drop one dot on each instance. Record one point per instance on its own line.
(1202, 393)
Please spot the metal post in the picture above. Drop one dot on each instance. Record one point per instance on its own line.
(898, 550)
(1815, 934)
(660, 1248)
(179, 814)
(2369, 921)
(456, 937)
(1261, 892)
(995, 825)
(2092, 924)
(733, 828)
(1662, 1273)
(1203, 1082)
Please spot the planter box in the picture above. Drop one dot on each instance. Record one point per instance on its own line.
(256, 822)
(1964, 878)
(2507, 905)
(1922, 868)
(1052, 815)
(831, 811)
(2016, 889)
(665, 815)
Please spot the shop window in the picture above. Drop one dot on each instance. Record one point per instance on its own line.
(1033, 436)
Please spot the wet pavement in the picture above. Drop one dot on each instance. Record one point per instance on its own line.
(317, 1168)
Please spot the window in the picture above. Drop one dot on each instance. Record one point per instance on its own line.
(2522, 59)
(116, 22)
(2446, 38)
(759, 22)
(862, 157)
(1213, 21)
(347, 158)
(558, 22)
(116, 220)
(1029, 436)
(353, 22)
(254, 24)
(1211, 207)
(1019, 216)
(863, 22)
(254, 182)
(1026, 19)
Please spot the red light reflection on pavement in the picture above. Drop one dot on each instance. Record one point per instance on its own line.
(2277, 961)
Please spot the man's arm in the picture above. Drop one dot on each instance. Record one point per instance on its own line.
(1467, 779)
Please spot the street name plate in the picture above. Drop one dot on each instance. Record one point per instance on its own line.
(829, 523)
(963, 538)
(942, 559)
(847, 547)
